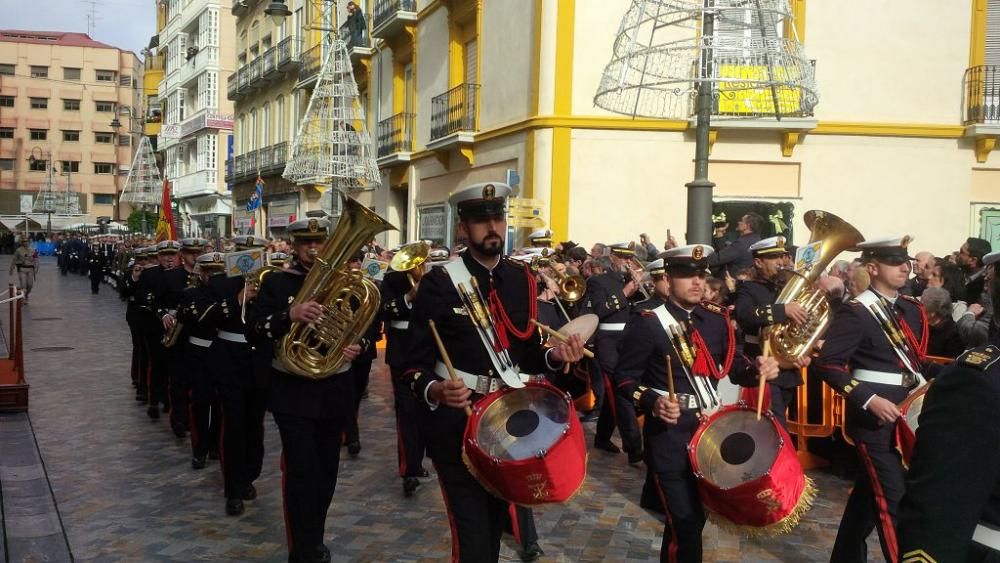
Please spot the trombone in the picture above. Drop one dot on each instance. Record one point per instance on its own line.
(571, 288)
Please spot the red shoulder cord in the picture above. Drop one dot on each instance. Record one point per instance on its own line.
(704, 367)
(505, 324)
(919, 347)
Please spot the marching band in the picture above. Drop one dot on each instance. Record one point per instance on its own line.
(496, 361)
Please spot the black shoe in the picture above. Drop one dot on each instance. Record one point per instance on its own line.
(213, 454)
(153, 412)
(322, 554)
(198, 462)
(234, 506)
(250, 493)
(179, 430)
(607, 446)
(635, 458)
(410, 485)
(354, 448)
(590, 416)
(531, 552)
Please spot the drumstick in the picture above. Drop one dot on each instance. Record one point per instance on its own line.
(670, 378)
(559, 336)
(761, 385)
(447, 359)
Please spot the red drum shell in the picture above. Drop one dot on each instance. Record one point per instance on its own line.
(552, 477)
(907, 423)
(767, 502)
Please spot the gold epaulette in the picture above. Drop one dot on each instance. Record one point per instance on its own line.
(712, 307)
(980, 357)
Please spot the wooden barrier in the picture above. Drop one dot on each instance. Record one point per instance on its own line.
(13, 387)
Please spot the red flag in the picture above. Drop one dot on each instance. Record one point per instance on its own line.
(165, 228)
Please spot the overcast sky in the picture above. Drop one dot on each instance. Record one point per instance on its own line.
(126, 24)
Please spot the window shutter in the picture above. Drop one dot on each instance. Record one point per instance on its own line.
(992, 56)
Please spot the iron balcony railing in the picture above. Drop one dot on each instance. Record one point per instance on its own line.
(231, 86)
(287, 51)
(455, 111)
(387, 9)
(982, 95)
(360, 40)
(311, 62)
(279, 155)
(270, 159)
(267, 62)
(395, 134)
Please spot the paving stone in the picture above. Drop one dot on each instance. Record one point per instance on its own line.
(125, 490)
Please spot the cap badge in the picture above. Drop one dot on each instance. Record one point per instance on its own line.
(698, 252)
(489, 191)
(250, 241)
(313, 226)
(780, 243)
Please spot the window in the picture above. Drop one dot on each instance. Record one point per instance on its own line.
(104, 138)
(71, 136)
(125, 80)
(104, 199)
(39, 103)
(39, 71)
(104, 168)
(39, 134)
(6, 164)
(105, 106)
(105, 75)
(6, 132)
(6, 101)
(71, 105)
(6, 70)
(36, 165)
(69, 166)
(70, 73)
(124, 140)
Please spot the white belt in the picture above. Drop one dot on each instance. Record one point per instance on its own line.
(984, 535)
(232, 336)
(276, 364)
(481, 384)
(401, 325)
(200, 342)
(752, 339)
(883, 377)
(611, 327)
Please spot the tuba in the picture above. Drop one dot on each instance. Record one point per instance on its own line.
(789, 341)
(350, 300)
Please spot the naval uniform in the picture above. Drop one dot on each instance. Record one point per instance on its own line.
(642, 371)
(243, 399)
(476, 517)
(396, 309)
(606, 298)
(858, 361)
(951, 509)
(361, 370)
(147, 289)
(134, 317)
(174, 282)
(311, 415)
(204, 419)
(754, 310)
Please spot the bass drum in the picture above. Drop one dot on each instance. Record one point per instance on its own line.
(748, 474)
(908, 422)
(526, 445)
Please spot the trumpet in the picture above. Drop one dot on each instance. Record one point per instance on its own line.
(571, 288)
(410, 259)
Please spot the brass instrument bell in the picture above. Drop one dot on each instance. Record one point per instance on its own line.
(410, 259)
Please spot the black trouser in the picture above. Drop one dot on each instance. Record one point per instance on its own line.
(243, 407)
(95, 285)
(361, 372)
(179, 385)
(204, 406)
(670, 467)
(477, 518)
(140, 363)
(622, 409)
(522, 525)
(156, 387)
(310, 458)
(409, 431)
(781, 397)
(879, 485)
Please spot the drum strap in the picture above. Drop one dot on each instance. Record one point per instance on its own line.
(890, 325)
(708, 397)
(459, 274)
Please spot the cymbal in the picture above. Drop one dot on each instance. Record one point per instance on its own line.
(584, 326)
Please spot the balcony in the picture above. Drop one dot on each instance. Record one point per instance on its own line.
(287, 53)
(395, 139)
(202, 182)
(199, 62)
(269, 161)
(359, 46)
(391, 16)
(981, 86)
(454, 116)
(311, 61)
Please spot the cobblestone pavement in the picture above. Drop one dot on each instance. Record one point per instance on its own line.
(125, 490)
